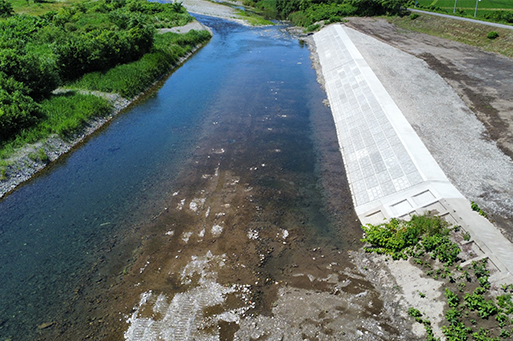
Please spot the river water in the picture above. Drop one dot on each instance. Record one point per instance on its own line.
(244, 110)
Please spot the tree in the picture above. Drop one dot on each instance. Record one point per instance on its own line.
(17, 109)
(5, 9)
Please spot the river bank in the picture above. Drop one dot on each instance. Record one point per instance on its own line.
(443, 121)
(250, 241)
(25, 164)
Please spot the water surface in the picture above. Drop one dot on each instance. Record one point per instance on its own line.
(252, 88)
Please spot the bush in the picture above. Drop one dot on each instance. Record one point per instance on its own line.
(5, 9)
(312, 27)
(492, 35)
(17, 109)
(504, 16)
(130, 79)
(414, 16)
(97, 50)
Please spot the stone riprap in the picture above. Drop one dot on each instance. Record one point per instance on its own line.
(390, 171)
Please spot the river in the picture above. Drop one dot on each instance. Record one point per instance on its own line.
(233, 154)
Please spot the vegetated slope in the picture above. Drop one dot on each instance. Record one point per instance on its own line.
(457, 30)
(493, 10)
(307, 13)
(40, 53)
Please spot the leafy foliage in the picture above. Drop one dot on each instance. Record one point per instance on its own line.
(38, 53)
(428, 235)
(17, 109)
(492, 35)
(475, 207)
(401, 238)
(130, 79)
(308, 12)
(5, 9)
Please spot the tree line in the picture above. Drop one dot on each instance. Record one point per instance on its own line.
(307, 12)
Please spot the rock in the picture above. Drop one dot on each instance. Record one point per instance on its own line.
(45, 325)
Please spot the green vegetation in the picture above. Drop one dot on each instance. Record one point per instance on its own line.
(130, 79)
(476, 208)
(461, 31)
(308, 13)
(421, 235)
(253, 19)
(61, 114)
(473, 312)
(492, 35)
(106, 45)
(494, 10)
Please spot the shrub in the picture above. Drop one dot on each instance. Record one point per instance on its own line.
(17, 109)
(473, 205)
(313, 27)
(414, 16)
(5, 9)
(492, 35)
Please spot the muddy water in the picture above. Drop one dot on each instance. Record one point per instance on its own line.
(215, 209)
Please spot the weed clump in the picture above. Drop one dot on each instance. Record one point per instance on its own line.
(402, 239)
(473, 312)
(492, 35)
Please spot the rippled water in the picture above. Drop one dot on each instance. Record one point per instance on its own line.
(56, 228)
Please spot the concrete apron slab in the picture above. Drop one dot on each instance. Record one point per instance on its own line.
(390, 171)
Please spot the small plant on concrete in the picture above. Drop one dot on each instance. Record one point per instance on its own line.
(476, 208)
(415, 313)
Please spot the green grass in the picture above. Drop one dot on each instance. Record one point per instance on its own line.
(485, 9)
(130, 79)
(63, 115)
(457, 30)
(35, 8)
(67, 113)
(470, 4)
(253, 19)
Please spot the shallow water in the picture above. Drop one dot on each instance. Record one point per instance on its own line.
(250, 97)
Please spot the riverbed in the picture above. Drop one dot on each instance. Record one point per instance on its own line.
(216, 208)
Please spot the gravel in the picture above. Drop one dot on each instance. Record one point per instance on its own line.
(448, 128)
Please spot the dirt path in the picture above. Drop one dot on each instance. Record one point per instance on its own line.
(484, 81)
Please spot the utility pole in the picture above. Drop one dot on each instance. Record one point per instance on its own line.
(455, 1)
(475, 12)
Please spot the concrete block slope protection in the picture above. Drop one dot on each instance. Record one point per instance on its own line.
(390, 171)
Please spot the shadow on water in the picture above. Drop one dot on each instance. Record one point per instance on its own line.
(71, 230)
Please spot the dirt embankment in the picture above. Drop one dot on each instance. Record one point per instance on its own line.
(473, 145)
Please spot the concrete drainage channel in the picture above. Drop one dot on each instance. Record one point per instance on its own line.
(390, 171)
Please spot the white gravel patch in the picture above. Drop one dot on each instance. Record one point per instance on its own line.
(217, 230)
